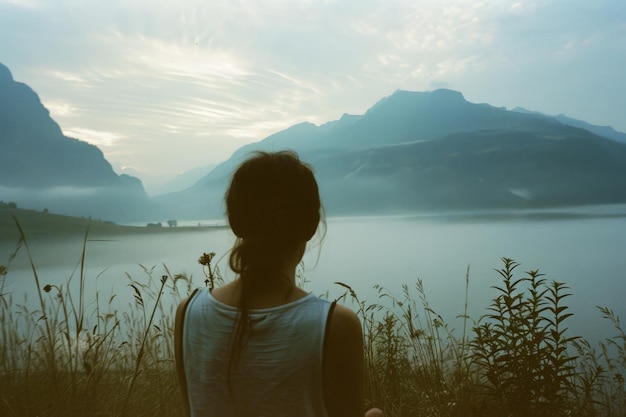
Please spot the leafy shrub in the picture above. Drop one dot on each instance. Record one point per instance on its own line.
(520, 349)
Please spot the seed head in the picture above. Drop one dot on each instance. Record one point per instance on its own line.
(206, 258)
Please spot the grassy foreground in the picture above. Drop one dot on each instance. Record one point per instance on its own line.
(76, 355)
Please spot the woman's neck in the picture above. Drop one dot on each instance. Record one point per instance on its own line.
(264, 295)
(266, 288)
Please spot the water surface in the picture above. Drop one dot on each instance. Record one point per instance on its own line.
(587, 253)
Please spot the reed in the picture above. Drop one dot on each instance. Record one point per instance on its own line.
(76, 354)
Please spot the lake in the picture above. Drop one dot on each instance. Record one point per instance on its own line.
(575, 246)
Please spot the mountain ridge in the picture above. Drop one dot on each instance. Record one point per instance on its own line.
(42, 168)
(405, 127)
(409, 152)
(604, 131)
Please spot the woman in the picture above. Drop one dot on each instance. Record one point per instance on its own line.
(260, 346)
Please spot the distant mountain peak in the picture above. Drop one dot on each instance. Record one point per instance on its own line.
(448, 95)
(400, 92)
(438, 93)
(348, 116)
(5, 74)
(302, 125)
(403, 100)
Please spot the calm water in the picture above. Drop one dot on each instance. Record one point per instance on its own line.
(588, 254)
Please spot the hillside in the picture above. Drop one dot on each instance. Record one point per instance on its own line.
(39, 225)
(415, 151)
(42, 168)
(604, 131)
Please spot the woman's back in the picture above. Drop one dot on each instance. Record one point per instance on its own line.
(259, 346)
(279, 372)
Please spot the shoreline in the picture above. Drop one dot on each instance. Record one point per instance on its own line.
(43, 226)
(48, 226)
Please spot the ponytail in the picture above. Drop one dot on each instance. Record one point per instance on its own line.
(272, 205)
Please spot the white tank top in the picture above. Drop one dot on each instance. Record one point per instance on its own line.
(280, 367)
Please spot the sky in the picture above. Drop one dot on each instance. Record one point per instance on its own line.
(164, 86)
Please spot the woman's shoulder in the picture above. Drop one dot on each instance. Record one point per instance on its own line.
(344, 324)
(226, 294)
(343, 364)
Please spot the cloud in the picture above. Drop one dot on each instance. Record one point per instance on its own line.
(60, 192)
(93, 136)
(27, 4)
(61, 108)
(68, 77)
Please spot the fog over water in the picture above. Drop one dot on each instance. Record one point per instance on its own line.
(589, 254)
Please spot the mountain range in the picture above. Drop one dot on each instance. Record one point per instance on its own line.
(411, 151)
(435, 151)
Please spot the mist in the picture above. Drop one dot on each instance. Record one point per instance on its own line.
(104, 203)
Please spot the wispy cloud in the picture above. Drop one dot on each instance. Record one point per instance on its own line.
(61, 108)
(93, 136)
(28, 4)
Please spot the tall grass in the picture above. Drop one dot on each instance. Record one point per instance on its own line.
(520, 359)
(76, 354)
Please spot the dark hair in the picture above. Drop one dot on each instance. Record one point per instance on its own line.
(272, 205)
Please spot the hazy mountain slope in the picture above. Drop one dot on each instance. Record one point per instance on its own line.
(604, 131)
(484, 169)
(402, 117)
(40, 167)
(436, 151)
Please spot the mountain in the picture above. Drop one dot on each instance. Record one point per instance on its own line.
(605, 131)
(411, 151)
(184, 180)
(434, 151)
(42, 168)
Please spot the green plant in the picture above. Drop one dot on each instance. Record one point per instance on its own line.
(414, 363)
(520, 348)
(613, 354)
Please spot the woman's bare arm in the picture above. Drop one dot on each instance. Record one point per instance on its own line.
(343, 364)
